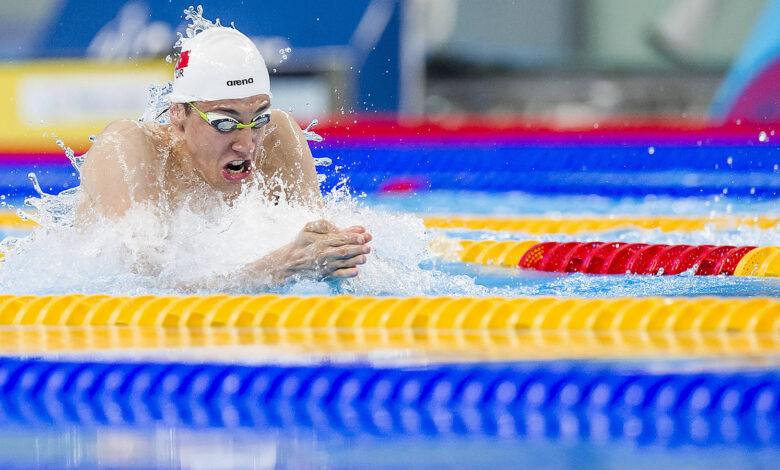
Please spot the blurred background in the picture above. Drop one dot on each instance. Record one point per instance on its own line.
(518, 108)
(70, 66)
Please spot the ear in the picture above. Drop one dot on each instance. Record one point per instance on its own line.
(178, 116)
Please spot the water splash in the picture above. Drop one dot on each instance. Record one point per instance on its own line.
(158, 104)
(284, 53)
(114, 257)
(309, 134)
(312, 136)
(75, 161)
(51, 210)
(54, 210)
(197, 24)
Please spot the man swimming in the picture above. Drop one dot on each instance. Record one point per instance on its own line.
(223, 138)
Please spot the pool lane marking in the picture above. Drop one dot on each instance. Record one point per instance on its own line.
(757, 262)
(760, 262)
(573, 225)
(9, 220)
(547, 225)
(475, 314)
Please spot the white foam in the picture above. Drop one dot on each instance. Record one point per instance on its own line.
(189, 251)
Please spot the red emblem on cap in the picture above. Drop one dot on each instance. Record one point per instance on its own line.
(184, 59)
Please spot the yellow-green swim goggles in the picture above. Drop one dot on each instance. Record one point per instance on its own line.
(227, 124)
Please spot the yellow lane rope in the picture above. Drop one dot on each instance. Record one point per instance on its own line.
(546, 224)
(9, 219)
(649, 314)
(218, 343)
(761, 262)
(505, 254)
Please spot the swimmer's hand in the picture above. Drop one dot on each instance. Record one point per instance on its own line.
(320, 251)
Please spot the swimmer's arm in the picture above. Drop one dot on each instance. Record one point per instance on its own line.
(320, 251)
(286, 154)
(114, 175)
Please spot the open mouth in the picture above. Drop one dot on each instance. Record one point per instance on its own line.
(237, 170)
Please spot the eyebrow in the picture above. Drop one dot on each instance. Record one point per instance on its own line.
(226, 110)
(237, 114)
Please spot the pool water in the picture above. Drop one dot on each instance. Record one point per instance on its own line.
(210, 449)
(479, 436)
(514, 203)
(448, 278)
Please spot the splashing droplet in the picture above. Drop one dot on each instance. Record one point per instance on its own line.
(158, 104)
(36, 185)
(197, 24)
(310, 134)
(323, 161)
(22, 215)
(75, 161)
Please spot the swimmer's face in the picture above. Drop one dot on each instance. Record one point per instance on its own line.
(223, 159)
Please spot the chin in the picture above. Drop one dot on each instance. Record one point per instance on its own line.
(231, 188)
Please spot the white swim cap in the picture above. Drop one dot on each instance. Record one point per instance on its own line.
(219, 64)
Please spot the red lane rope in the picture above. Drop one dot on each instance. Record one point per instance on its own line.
(633, 258)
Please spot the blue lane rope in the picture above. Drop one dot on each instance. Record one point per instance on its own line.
(488, 157)
(551, 401)
(605, 170)
(589, 169)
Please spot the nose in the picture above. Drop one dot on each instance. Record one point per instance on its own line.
(243, 142)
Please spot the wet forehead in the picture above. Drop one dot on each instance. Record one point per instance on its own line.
(249, 105)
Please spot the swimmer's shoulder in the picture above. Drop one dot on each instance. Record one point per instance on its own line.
(127, 147)
(115, 170)
(278, 113)
(131, 132)
(280, 121)
(133, 140)
(282, 129)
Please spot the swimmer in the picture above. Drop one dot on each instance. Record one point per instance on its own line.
(223, 138)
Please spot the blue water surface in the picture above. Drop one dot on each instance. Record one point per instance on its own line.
(512, 282)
